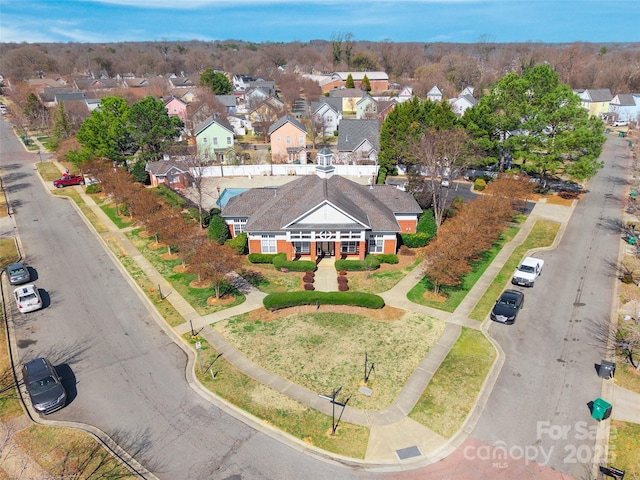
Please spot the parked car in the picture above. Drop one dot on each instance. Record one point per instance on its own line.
(68, 180)
(18, 273)
(507, 306)
(43, 385)
(27, 298)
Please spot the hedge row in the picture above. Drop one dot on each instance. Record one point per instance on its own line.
(371, 262)
(261, 257)
(280, 262)
(277, 301)
(391, 258)
(415, 240)
(238, 243)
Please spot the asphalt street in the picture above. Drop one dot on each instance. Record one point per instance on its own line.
(539, 405)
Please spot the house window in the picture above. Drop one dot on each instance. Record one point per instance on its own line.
(228, 140)
(349, 247)
(215, 140)
(278, 138)
(238, 225)
(288, 140)
(376, 244)
(300, 235)
(204, 140)
(268, 244)
(300, 140)
(302, 248)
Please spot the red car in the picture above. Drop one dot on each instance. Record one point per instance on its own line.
(68, 180)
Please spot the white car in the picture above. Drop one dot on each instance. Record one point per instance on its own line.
(27, 298)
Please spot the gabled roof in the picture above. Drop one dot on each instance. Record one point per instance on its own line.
(162, 168)
(471, 100)
(181, 82)
(172, 98)
(624, 100)
(435, 91)
(346, 93)
(273, 209)
(286, 119)
(352, 133)
(597, 95)
(334, 103)
(210, 121)
(49, 93)
(228, 101)
(64, 97)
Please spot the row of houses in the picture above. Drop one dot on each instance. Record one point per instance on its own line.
(623, 107)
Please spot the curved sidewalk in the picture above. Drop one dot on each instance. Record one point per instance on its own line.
(391, 429)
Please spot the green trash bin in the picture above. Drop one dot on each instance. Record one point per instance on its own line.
(631, 144)
(601, 409)
(631, 239)
(608, 130)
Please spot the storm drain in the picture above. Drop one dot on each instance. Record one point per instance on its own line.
(408, 452)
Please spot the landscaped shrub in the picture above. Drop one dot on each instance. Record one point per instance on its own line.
(239, 243)
(342, 280)
(342, 272)
(195, 214)
(415, 240)
(308, 279)
(427, 223)
(343, 287)
(309, 286)
(479, 184)
(281, 263)
(276, 301)
(94, 188)
(218, 230)
(262, 257)
(382, 176)
(391, 258)
(310, 272)
(369, 263)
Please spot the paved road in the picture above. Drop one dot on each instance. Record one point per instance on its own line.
(539, 406)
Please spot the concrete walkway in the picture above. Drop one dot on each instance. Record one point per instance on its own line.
(390, 429)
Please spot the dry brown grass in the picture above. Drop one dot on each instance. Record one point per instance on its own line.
(324, 349)
(558, 200)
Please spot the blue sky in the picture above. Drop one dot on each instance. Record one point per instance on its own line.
(465, 21)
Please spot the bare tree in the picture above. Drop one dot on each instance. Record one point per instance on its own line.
(214, 262)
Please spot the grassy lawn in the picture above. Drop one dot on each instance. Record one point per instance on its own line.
(323, 350)
(69, 453)
(267, 279)
(627, 376)
(542, 234)
(199, 298)
(453, 390)
(624, 445)
(383, 279)
(276, 409)
(118, 220)
(454, 295)
(48, 171)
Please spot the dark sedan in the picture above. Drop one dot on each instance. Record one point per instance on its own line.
(507, 306)
(18, 273)
(43, 386)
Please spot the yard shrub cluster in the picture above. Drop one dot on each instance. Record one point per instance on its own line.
(281, 263)
(262, 257)
(218, 230)
(390, 258)
(425, 231)
(238, 244)
(479, 184)
(294, 299)
(371, 262)
(94, 188)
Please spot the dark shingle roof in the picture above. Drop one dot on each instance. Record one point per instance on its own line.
(273, 209)
(162, 167)
(210, 121)
(600, 94)
(352, 133)
(625, 99)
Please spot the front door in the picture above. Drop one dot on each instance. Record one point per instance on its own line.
(326, 249)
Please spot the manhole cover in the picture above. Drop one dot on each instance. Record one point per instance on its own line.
(408, 452)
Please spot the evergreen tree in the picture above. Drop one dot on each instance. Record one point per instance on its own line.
(366, 84)
(62, 127)
(216, 81)
(349, 82)
(152, 129)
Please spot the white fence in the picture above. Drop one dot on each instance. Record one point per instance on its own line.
(283, 170)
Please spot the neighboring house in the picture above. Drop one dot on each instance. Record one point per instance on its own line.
(435, 94)
(136, 83)
(350, 98)
(172, 173)
(100, 84)
(188, 96)
(460, 104)
(322, 215)
(385, 107)
(66, 97)
(288, 141)
(181, 82)
(358, 141)
(366, 107)
(239, 123)
(176, 107)
(48, 94)
(596, 101)
(214, 139)
(468, 90)
(241, 82)
(405, 94)
(327, 112)
(228, 101)
(92, 103)
(625, 107)
(264, 114)
(267, 86)
(47, 82)
(255, 96)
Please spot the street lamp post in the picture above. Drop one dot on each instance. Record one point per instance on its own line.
(40, 155)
